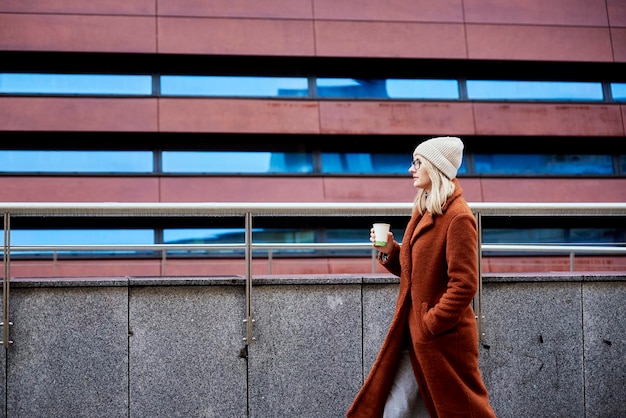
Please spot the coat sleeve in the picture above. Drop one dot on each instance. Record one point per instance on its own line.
(392, 263)
(462, 261)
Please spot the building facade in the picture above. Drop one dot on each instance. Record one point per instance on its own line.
(536, 89)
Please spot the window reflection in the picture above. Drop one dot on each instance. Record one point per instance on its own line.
(535, 164)
(113, 237)
(423, 89)
(219, 236)
(334, 162)
(298, 87)
(204, 235)
(618, 91)
(579, 236)
(350, 87)
(260, 162)
(365, 163)
(387, 88)
(44, 237)
(75, 84)
(48, 161)
(533, 90)
(234, 86)
(236, 162)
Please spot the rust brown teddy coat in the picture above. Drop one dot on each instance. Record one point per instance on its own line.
(438, 268)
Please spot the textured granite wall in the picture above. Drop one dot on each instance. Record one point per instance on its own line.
(173, 347)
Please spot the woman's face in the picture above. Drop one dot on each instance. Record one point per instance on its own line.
(421, 179)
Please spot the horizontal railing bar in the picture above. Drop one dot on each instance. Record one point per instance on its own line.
(552, 209)
(578, 249)
(125, 247)
(313, 246)
(155, 247)
(297, 209)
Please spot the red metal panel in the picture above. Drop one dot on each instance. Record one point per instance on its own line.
(617, 13)
(293, 266)
(242, 189)
(77, 33)
(548, 119)
(389, 39)
(390, 10)
(79, 189)
(295, 9)
(542, 43)
(533, 265)
(540, 12)
(238, 115)
(317, 189)
(235, 36)
(210, 267)
(77, 114)
(86, 268)
(481, 189)
(369, 189)
(546, 189)
(472, 189)
(306, 189)
(109, 269)
(618, 37)
(108, 7)
(366, 117)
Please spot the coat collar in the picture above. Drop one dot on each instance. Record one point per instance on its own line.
(420, 223)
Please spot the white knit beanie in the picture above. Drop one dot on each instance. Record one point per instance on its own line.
(444, 152)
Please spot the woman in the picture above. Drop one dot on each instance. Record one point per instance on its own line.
(432, 342)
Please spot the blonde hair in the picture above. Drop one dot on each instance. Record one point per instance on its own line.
(441, 189)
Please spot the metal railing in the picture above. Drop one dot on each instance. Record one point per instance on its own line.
(251, 210)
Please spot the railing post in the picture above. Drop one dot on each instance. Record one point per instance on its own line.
(163, 261)
(374, 259)
(248, 257)
(6, 260)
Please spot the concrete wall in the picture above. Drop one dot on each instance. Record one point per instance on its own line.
(173, 347)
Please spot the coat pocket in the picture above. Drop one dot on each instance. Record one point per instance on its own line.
(425, 334)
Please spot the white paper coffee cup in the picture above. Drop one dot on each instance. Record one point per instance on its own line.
(380, 233)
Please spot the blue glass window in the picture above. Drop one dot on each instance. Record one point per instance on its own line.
(538, 164)
(350, 87)
(43, 237)
(423, 89)
(237, 236)
(334, 162)
(533, 90)
(204, 236)
(236, 162)
(387, 88)
(75, 84)
(580, 236)
(45, 161)
(365, 163)
(113, 237)
(234, 86)
(618, 91)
